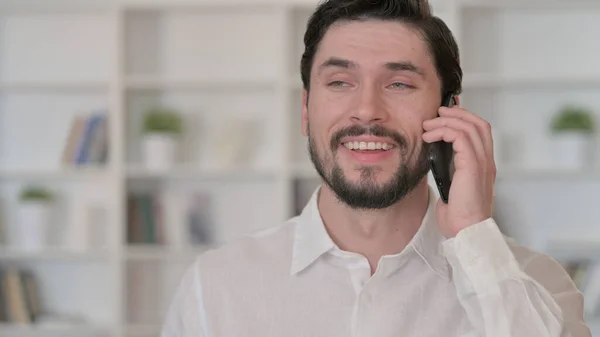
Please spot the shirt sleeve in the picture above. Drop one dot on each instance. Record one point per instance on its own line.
(505, 298)
(185, 316)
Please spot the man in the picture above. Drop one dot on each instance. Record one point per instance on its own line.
(374, 253)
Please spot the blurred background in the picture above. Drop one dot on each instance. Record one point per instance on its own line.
(135, 134)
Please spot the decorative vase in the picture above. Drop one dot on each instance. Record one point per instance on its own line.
(159, 151)
(32, 227)
(570, 150)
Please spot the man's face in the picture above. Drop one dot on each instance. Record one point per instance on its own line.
(373, 83)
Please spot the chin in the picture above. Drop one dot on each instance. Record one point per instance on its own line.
(373, 172)
(371, 176)
(367, 184)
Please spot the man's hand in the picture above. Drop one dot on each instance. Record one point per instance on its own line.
(472, 191)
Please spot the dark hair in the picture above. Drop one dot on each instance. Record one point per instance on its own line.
(416, 13)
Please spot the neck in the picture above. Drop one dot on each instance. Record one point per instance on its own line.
(374, 233)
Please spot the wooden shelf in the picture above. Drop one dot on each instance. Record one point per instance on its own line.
(51, 174)
(54, 7)
(140, 252)
(474, 81)
(525, 174)
(157, 83)
(59, 85)
(53, 254)
(198, 173)
(66, 330)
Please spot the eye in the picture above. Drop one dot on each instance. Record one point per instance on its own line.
(337, 83)
(400, 85)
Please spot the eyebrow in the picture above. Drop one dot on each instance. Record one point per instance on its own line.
(404, 66)
(392, 66)
(335, 62)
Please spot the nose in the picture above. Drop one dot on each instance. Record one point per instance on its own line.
(369, 107)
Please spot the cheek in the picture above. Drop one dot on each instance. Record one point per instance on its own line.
(324, 113)
(409, 118)
(413, 132)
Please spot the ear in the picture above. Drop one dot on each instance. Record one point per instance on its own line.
(304, 112)
(457, 100)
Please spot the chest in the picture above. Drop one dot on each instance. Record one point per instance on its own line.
(402, 305)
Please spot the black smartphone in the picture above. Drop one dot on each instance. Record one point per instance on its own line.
(441, 159)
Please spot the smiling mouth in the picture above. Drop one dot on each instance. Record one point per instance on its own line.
(368, 146)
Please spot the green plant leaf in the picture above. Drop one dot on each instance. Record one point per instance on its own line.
(35, 193)
(573, 118)
(162, 119)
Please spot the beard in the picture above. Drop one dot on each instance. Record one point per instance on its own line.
(368, 194)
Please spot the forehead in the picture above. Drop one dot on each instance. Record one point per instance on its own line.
(372, 43)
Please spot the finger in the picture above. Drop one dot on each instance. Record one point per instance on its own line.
(484, 127)
(462, 125)
(461, 144)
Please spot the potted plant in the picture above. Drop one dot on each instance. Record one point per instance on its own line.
(161, 128)
(572, 130)
(34, 218)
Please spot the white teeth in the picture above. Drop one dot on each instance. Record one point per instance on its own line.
(367, 146)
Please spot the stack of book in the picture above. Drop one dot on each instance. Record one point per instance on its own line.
(87, 142)
(180, 220)
(144, 219)
(19, 298)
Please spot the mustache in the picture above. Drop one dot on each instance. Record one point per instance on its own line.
(374, 130)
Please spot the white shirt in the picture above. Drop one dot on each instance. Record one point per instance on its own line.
(293, 281)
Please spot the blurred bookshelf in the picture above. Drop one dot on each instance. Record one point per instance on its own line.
(122, 232)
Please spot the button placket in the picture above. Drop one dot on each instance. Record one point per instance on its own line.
(360, 274)
(365, 308)
(366, 296)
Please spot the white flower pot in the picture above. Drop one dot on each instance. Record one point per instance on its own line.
(159, 151)
(570, 150)
(32, 226)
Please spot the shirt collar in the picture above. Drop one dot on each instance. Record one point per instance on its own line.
(428, 241)
(311, 239)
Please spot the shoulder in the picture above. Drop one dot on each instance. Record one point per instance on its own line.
(502, 250)
(552, 277)
(267, 250)
(224, 276)
(542, 268)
